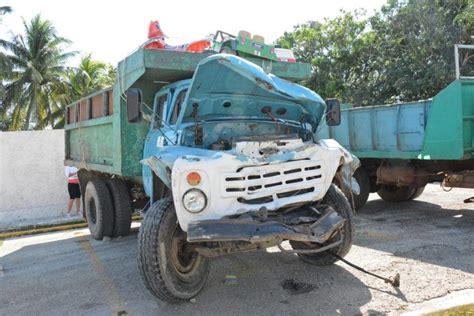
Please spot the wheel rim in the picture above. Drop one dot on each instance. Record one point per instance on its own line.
(183, 259)
(92, 211)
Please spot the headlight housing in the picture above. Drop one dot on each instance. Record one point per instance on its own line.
(194, 200)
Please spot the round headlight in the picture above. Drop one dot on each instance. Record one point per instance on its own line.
(194, 200)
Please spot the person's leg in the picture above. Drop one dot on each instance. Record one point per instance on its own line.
(69, 206)
(70, 202)
(78, 206)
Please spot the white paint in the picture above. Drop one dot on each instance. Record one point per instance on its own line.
(33, 186)
(216, 169)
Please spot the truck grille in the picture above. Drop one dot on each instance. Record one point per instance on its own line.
(267, 183)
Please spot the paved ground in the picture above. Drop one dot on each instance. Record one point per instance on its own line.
(428, 241)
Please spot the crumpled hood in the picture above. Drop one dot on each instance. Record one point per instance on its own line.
(248, 87)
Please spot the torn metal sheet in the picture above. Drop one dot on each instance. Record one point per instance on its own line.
(254, 231)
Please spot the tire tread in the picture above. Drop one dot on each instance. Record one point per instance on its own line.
(104, 213)
(122, 207)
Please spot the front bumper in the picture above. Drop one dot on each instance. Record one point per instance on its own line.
(254, 231)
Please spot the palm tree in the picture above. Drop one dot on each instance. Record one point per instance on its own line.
(4, 69)
(90, 76)
(37, 61)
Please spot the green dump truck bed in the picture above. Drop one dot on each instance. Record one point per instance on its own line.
(441, 128)
(98, 135)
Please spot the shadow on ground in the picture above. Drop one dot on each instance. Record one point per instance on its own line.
(78, 275)
(419, 230)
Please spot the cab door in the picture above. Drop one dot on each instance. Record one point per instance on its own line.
(154, 140)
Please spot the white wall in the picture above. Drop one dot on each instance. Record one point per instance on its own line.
(33, 186)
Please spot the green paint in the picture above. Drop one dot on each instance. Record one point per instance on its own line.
(243, 46)
(450, 127)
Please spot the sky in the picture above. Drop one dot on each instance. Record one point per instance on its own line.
(110, 30)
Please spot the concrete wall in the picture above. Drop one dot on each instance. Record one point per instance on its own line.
(33, 187)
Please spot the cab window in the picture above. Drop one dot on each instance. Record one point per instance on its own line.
(160, 110)
(177, 106)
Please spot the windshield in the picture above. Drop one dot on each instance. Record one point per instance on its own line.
(177, 106)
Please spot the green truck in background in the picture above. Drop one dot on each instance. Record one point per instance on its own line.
(402, 147)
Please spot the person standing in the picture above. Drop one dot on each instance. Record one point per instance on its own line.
(73, 189)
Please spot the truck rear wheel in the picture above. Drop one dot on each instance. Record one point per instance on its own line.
(338, 201)
(418, 192)
(171, 270)
(392, 193)
(122, 207)
(363, 180)
(98, 209)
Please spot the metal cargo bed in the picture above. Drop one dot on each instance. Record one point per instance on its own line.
(438, 129)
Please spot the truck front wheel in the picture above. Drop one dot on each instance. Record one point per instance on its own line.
(98, 209)
(171, 270)
(338, 201)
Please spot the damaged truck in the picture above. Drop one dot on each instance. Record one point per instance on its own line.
(220, 154)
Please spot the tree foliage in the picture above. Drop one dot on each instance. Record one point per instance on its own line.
(37, 60)
(37, 84)
(402, 52)
(4, 66)
(90, 76)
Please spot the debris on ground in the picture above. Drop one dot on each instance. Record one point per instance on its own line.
(295, 288)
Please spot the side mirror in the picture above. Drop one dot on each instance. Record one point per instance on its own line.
(333, 112)
(134, 99)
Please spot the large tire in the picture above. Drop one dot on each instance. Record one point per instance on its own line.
(168, 271)
(338, 201)
(363, 180)
(122, 207)
(98, 209)
(417, 193)
(392, 193)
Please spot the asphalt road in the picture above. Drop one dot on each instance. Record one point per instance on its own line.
(428, 241)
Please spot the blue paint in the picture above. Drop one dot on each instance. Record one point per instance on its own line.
(221, 78)
(389, 128)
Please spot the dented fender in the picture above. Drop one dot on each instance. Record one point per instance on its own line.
(349, 165)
